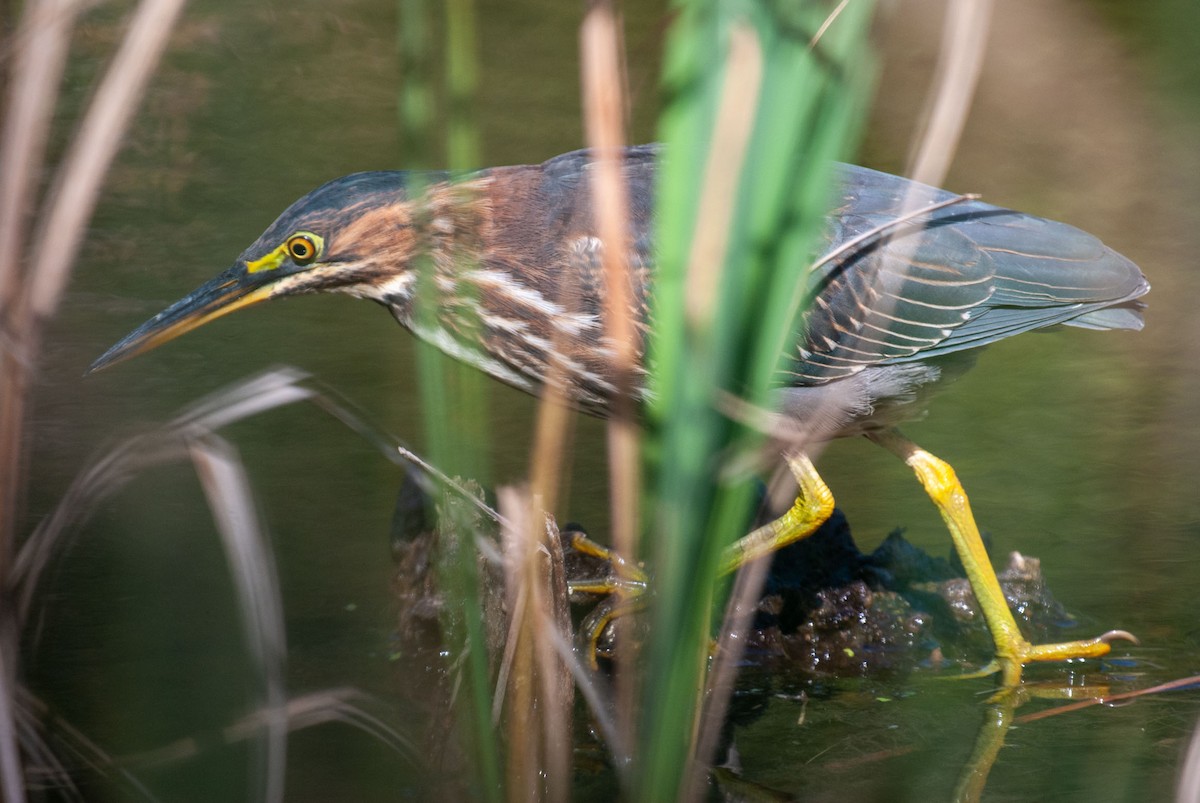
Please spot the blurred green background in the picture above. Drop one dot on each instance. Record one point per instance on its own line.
(1079, 448)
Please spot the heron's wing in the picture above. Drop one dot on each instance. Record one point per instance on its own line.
(958, 278)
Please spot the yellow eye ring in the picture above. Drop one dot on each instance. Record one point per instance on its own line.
(302, 248)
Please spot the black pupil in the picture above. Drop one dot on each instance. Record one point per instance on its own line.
(301, 249)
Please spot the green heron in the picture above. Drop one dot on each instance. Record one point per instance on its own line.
(515, 280)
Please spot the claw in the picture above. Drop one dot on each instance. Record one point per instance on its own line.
(1118, 635)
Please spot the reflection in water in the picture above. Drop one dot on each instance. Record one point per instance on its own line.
(998, 716)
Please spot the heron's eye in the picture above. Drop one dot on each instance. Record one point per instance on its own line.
(301, 248)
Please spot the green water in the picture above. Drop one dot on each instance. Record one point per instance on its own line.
(1081, 448)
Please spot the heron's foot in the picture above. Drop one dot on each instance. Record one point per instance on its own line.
(946, 492)
(622, 583)
(1010, 658)
(596, 638)
(623, 576)
(626, 584)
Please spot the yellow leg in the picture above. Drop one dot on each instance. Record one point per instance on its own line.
(1012, 650)
(813, 506)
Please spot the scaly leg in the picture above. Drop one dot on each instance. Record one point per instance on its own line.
(813, 506)
(1012, 650)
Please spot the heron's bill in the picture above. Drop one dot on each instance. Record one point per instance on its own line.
(228, 292)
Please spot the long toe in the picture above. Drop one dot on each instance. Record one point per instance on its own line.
(1011, 661)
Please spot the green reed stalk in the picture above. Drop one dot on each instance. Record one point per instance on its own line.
(452, 395)
(755, 114)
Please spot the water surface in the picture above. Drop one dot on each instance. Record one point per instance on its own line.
(1078, 447)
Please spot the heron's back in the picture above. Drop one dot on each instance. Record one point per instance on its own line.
(955, 279)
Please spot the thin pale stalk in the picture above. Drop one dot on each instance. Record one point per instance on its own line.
(722, 174)
(41, 44)
(344, 705)
(516, 680)
(15, 376)
(556, 688)
(78, 180)
(341, 705)
(533, 681)
(739, 612)
(964, 44)
(604, 125)
(552, 728)
(40, 55)
(547, 721)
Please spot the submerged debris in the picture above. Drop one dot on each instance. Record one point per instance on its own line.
(827, 609)
(830, 609)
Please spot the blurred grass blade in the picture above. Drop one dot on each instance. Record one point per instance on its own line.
(344, 705)
(32, 283)
(12, 775)
(276, 387)
(758, 106)
(417, 104)
(252, 566)
(116, 467)
(48, 761)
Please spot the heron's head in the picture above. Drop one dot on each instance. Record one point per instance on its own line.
(355, 234)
